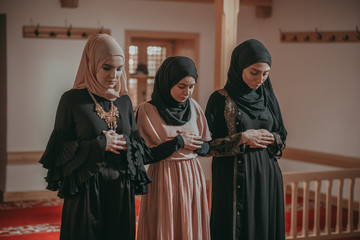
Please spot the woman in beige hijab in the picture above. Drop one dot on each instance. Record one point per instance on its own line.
(95, 155)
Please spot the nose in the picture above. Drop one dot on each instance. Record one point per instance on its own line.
(187, 91)
(113, 73)
(260, 79)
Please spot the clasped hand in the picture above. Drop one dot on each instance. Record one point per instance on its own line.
(191, 140)
(114, 141)
(260, 138)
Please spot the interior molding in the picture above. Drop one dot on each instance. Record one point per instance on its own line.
(27, 195)
(328, 159)
(19, 158)
(242, 2)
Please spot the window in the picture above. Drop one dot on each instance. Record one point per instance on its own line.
(145, 57)
(146, 50)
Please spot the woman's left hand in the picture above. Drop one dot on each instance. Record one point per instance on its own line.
(259, 138)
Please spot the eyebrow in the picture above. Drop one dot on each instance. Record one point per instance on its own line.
(186, 84)
(109, 65)
(259, 70)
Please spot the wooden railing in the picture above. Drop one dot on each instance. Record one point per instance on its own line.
(298, 185)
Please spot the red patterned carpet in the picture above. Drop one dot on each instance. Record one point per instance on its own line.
(30, 220)
(35, 220)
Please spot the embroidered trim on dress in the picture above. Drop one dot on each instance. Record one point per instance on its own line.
(227, 146)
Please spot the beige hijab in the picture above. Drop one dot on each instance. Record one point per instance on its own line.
(98, 49)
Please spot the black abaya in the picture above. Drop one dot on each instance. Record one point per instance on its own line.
(98, 186)
(247, 188)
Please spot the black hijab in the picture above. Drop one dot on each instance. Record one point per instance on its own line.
(171, 71)
(253, 101)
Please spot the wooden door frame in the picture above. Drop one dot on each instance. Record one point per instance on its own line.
(130, 34)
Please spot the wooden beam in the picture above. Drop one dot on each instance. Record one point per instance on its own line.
(256, 3)
(226, 17)
(192, 1)
(242, 2)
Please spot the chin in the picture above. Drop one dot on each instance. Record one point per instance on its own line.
(182, 100)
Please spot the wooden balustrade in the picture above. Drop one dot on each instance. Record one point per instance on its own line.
(325, 197)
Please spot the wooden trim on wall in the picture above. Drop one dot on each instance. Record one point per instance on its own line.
(321, 158)
(328, 159)
(18, 158)
(190, 1)
(242, 2)
(28, 195)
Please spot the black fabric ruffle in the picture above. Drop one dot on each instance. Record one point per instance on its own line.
(71, 163)
(136, 153)
(57, 151)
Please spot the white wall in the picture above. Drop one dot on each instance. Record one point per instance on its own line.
(316, 84)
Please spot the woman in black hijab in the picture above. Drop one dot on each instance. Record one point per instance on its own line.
(176, 205)
(248, 137)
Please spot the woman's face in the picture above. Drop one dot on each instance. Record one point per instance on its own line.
(256, 74)
(183, 89)
(109, 73)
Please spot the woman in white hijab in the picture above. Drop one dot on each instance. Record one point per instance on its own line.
(95, 155)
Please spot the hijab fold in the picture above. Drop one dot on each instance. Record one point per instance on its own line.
(98, 49)
(253, 102)
(171, 71)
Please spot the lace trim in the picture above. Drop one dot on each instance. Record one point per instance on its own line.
(227, 146)
(276, 150)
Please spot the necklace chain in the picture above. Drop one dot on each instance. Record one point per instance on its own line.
(109, 117)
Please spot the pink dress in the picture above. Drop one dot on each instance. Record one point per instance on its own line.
(176, 207)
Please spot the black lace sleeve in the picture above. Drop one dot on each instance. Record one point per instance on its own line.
(227, 146)
(277, 148)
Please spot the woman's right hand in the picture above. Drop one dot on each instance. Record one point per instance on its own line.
(114, 141)
(257, 138)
